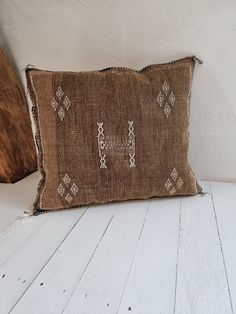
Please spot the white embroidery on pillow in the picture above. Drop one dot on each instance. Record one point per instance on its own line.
(172, 98)
(160, 99)
(179, 183)
(67, 103)
(116, 145)
(74, 189)
(174, 174)
(168, 184)
(59, 104)
(54, 104)
(68, 198)
(61, 114)
(61, 190)
(131, 142)
(66, 179)
(59, 93)
(166, 98)
(67, 189)
(174, 182)
(101, 145)
(167, 110)
(165, 87)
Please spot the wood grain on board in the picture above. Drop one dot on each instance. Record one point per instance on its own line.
(17, 148)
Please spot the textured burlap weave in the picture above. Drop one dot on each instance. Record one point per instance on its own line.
(112, 135)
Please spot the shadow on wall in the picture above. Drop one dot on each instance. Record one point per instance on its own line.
(211, 144)
(8, 51)
(213, 113)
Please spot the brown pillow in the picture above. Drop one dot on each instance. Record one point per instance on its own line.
(112, 135)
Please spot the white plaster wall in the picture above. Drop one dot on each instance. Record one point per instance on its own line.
(92, 34)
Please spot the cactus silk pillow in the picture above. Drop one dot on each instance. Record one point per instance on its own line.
(112, 135)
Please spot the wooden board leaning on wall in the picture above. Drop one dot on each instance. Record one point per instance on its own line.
(17, 148)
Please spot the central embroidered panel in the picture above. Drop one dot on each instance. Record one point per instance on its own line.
(116, 145)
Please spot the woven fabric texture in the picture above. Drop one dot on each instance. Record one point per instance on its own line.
(112, 135)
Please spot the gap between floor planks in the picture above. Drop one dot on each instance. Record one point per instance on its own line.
(126, 283)
(202, 285)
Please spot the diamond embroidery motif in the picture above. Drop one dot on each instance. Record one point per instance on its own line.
(62, 101)
(68, 198)
(66, 103)
(61, 113)
(172, 98)
(167, 110)
(165, 87)
(67, 189)
(61, 189)
(179, 183)
(168, 184)
(167, 98)
(66, 179)
(74, 189)
(174, 182)
(174, 174)
(160, 99)
(54, 104)
(59, 93)
(172, 191)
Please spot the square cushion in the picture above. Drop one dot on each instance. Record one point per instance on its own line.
(112, 135)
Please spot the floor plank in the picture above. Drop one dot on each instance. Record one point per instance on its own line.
(224, 197)
(18, 272)
(137, 257)
(101, 287)
(16, 198)
(150, 287)
(201, 279)
(66, 267)
(18, 233)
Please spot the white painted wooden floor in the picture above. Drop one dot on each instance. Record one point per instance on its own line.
(161, 256)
